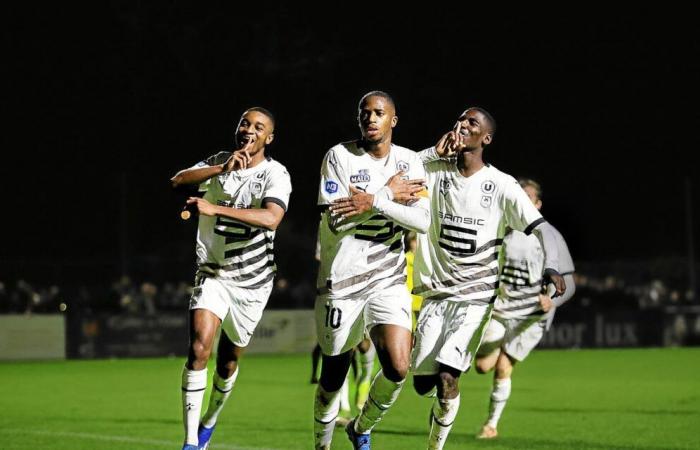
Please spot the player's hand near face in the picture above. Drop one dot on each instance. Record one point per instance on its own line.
(451, 142)
(240, 158)
(354, 205)
(405, 191)
(203, 207)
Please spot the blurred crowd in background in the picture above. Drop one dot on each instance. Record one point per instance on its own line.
(596, 287)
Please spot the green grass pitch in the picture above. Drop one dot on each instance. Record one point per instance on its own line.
(585, 399)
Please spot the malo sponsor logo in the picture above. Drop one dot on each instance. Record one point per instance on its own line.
(361, 177)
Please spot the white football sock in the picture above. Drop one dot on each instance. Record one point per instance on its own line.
(382, 395)
(194, 382)
(499, 396)
(326, 407)
(444, 413)
(220, 392)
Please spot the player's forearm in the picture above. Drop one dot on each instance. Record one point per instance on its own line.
(570, 290)
(257, 217)
(414, 218)
(548, 240)
(196, 176)
(337, 224)
(428, 155)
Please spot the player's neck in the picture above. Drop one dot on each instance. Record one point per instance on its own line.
(470, 163)
(377, 150)
(257, 158)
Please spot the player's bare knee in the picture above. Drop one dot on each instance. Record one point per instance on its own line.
(331, 382)
(483, 365)
(447, 385)
(423, 384)
(503, 371)
(199, 354)
(504, 366)
(396, 371)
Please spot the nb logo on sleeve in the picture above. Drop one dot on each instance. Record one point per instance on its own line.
(331, 187)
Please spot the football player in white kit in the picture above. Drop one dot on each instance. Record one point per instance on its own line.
(361, 281)
(521, 311)
(246, 196)
(457, 263)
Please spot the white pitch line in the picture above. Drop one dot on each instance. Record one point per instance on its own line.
(132, 440)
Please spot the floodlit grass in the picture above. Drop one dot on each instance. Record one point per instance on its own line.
(585, 399)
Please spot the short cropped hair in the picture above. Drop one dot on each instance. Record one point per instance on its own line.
(381, 94)
(261, 110)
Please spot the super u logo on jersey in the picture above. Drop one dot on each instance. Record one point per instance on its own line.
(487, 187)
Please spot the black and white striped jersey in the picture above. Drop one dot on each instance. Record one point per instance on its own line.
(521, 275)
(366, 252)
(230, 249)
(458, 259)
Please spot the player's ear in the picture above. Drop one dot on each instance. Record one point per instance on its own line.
(538, 204)
(487, 139)
(270, 137)
(394, 121)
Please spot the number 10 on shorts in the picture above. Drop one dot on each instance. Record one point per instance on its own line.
(333, 317)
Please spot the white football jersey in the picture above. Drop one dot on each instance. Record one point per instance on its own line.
(368, 252)
(231, 249)
(458, 259)
(521, 275)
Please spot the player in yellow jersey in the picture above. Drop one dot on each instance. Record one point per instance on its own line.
(410, 243)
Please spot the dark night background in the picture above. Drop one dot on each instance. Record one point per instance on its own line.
(102, 106)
